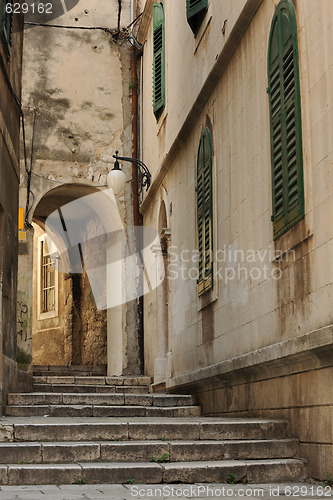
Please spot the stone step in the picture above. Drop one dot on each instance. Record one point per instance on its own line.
(254, 471)
(92, 380)
(45, 398)
(68, 370)
(69, 410)
(146, 451)
(72, 388)
(136, 429)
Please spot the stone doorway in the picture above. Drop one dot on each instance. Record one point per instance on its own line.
(76, 314)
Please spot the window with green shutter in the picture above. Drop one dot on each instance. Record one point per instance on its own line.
(195, 12)
(159, 60)
(204, 213)
(6, 21)
(285, 119)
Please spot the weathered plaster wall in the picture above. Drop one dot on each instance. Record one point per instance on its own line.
(93, 329)
(78, 83)
(256, 345)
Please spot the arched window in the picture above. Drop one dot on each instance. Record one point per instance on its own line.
(159, 60)
(205, 212)
(285, 118)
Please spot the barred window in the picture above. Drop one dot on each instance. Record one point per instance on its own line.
(48, 286)
(47, 278)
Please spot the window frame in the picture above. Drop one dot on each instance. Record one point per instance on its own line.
(205, 280)
(54, 312)
(195, 13)
(158, 59)
(285, 122)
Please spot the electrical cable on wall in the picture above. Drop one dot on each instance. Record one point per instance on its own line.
(116, 34)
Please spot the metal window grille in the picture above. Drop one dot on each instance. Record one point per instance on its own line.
(48, 286)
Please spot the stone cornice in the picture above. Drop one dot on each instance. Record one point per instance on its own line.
(311, 351)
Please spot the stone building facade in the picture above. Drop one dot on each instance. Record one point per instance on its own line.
(239, 141)
(10, 115)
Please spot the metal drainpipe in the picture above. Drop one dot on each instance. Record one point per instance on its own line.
(135, 187)
(135, 184)
(141, 108)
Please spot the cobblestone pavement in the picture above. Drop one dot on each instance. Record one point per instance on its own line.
(166, 492)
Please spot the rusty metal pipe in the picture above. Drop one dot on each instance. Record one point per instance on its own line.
(137, 218)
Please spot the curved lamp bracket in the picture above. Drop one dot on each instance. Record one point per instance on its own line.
(144, 174)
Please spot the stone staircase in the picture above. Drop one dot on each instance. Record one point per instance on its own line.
(82, 427)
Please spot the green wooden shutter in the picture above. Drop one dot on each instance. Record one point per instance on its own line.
(6, 23)
(159, 60)
(195, 12)
(285, 119)
(204, 213)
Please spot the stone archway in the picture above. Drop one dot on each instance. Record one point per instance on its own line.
(75, 328)
(67, 327)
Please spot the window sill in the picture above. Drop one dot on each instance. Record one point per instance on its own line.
(292, 238)
(47, 315)
(162, 120)
(208, 298)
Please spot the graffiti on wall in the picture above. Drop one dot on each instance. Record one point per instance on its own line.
(23, 321)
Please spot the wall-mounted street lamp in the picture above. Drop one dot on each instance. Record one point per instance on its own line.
(116, 179)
